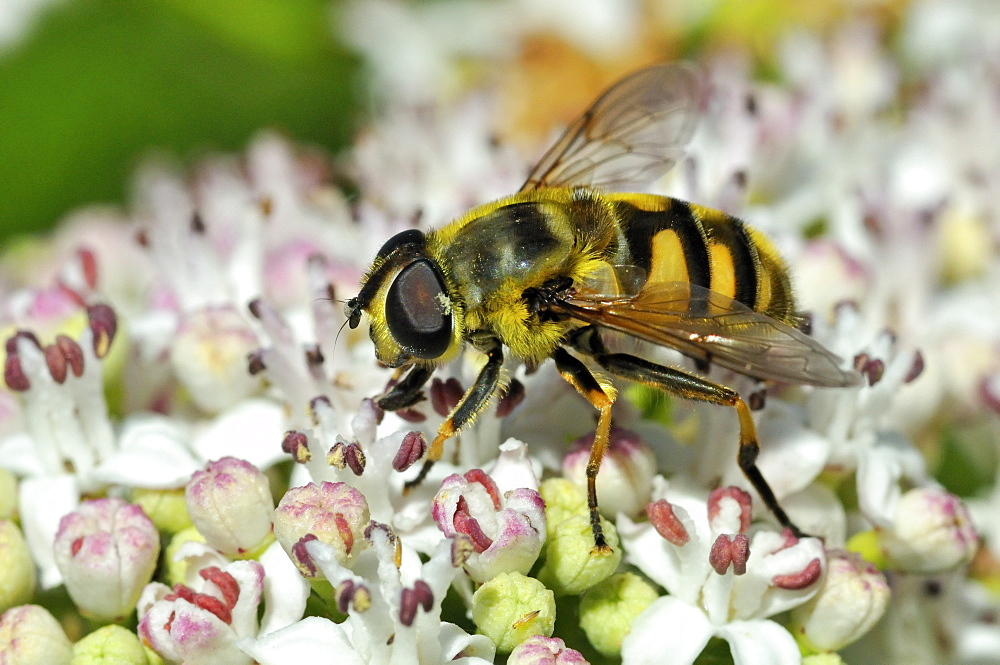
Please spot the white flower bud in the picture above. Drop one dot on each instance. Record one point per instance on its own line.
(852, 598)
(29, 635)
(230, 504)
(625, 482)
(932, 532)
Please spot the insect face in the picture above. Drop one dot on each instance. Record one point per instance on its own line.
(406, 295)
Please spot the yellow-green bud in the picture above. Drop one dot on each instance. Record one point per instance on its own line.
(177, 569)
(571, 564)
(511, 607)
(166, 508)
(110, 645)
(8, 494)
(17, 583)
(563, 500)
(608, 610)
(823, 659)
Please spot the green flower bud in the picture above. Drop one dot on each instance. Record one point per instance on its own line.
(608, 609)
(571, 564)
(167, 508)
(8, 494)
(823, 659)
(563, 500)
(110, 645)
(29, 635)
(17, 583)
(510, 608)
(177, 569)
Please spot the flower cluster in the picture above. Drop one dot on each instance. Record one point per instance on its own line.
(180, 387)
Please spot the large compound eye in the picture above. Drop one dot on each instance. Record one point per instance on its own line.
(417, 311)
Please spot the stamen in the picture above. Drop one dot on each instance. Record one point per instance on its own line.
(413, 447)
(667, 524)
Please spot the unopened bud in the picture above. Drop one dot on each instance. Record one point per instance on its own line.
(230, 504)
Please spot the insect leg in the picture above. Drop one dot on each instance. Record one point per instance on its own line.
(588, 341)
(408, 391)
(577, 374)
(465, 411)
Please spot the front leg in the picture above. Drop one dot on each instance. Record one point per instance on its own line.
(465, 412)
(408, 391)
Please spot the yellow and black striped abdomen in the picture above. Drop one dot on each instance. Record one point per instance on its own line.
(676, 241)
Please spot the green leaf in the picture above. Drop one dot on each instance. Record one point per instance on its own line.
(99, 83)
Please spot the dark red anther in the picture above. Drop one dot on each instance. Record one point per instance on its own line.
(667, 524)
(88, 266)
(407, 607)
(56, 362)
(445, 395)
(411, 415)
(802, 579)
(255, 306)
(344, 529)
(730, 551)
(301, 555)
(355, 458)
(225, 582)
(104, 326)
(511, 399)
(412, 449)
(314, 356)
(343, 595)
(76, 546)
(465, 523)
(72, 352)
(197, 223)
(916, 369)
(481, 477)
(424, 595)
(255, 362)
(757, 399)
(13, 374)
(874, 369)
(296, 444)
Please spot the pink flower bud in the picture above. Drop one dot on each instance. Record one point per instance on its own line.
(334, 513)
(106, 551)
(230, 504)
(541, 650)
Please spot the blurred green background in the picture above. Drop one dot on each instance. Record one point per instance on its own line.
(96, 84)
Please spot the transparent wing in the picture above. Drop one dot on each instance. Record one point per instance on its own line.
(630, 136)
(711, 327)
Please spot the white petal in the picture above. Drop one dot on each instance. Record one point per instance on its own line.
(43, 502)
(880, 469)
(793, 455)
(669, 632)
(251, 430)
(18, 455)
(313, 639)
(153, 453)
(285, 590)
(513, 468)
(760, 643)
(454, 641)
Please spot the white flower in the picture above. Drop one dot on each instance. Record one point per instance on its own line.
(203, 624)
(722, 582)
(393, 607)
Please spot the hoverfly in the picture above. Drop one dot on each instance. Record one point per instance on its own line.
(543, 272)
